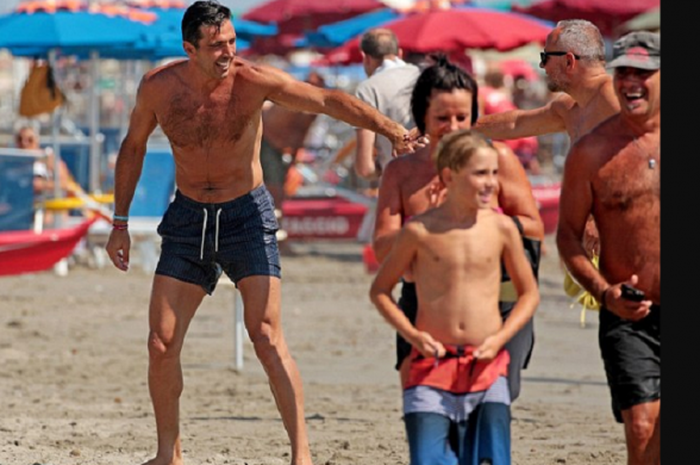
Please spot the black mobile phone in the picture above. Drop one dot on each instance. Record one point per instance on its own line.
(631, 293)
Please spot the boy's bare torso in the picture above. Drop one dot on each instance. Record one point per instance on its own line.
(457, 270)
(215, 133)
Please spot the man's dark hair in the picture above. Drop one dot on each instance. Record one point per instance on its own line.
(203, 13)
(442, 76)
(379, 43)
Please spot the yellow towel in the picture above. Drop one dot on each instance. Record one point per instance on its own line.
(580, 295)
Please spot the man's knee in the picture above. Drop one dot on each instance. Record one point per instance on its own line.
(640, 429)
(161, 347)
(266, 341)
(640, 422)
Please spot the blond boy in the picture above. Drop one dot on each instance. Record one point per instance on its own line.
(458, 364)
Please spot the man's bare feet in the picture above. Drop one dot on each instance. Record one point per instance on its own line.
(157, 461)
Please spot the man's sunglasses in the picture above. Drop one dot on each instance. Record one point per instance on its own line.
(544, 56)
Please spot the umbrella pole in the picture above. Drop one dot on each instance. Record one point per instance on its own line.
(55, 137)
(126, 73)
(94, 123)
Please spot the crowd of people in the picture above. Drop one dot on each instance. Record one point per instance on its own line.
(456, 222)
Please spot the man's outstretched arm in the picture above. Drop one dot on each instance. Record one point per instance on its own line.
(301, 96)
(515, 124)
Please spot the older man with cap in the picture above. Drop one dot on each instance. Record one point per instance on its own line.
(614, 173)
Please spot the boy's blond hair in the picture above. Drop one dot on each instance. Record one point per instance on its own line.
(456, 148)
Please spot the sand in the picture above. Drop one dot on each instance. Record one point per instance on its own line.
(73, 365)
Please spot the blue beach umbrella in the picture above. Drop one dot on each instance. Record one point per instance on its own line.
(170, 20)
(333, 35)
(70, 31)
(80, 33)
(67, 30)
(250, 29)
(163, 38)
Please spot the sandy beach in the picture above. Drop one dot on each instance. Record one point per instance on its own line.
(73, 365)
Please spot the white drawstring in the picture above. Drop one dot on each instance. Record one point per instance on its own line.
(204, 232)
(216, 239)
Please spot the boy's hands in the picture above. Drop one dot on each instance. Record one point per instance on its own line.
(489, 349)
(427, 346)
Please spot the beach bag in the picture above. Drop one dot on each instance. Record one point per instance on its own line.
(40, 93)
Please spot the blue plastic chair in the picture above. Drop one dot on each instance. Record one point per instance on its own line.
(16, 192)
(156, 186)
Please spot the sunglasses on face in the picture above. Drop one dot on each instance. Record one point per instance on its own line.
(544, 56)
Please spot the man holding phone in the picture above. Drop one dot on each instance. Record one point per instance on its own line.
(614, 173)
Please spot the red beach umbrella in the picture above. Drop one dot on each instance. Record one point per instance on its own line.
(606, 14)
(299, 16)
(454, 30)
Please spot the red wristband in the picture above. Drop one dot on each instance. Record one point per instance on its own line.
(120, 226)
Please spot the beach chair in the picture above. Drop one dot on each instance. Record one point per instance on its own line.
(17, 189)
(152, 196)
(25, 247)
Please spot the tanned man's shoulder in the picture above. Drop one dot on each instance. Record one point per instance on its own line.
(601, 135)
(159, 78)
(562, 104)
(257, 73)
(167, 71)
(594, 149)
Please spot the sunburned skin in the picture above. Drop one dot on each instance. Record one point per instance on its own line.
(618, 167)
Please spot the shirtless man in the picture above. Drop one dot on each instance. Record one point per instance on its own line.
(284, 132)
(444, 100)
(209, 106)
(574, 60)
(614, 173)
(458, 365)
